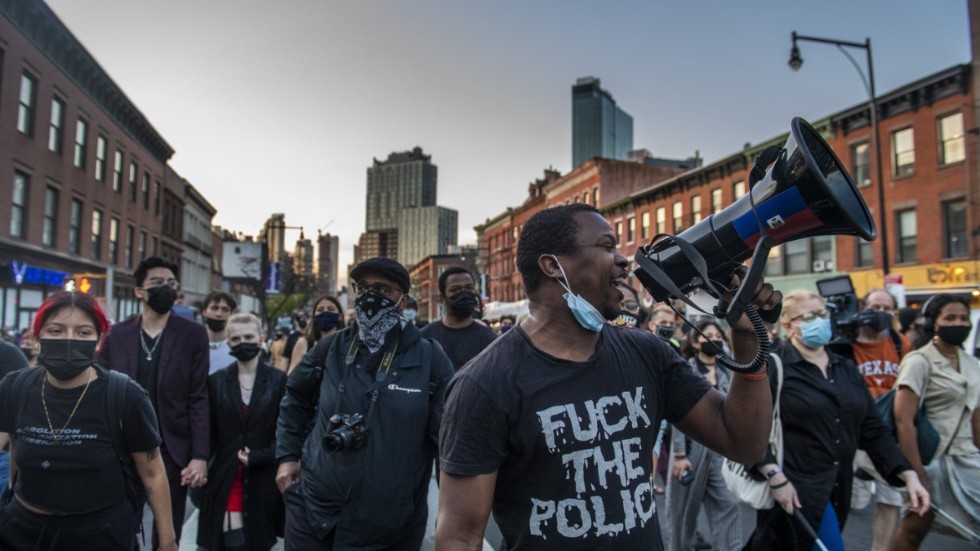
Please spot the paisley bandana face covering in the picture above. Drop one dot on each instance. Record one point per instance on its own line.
(376, 316)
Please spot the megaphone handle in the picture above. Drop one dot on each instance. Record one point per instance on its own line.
(743, 297)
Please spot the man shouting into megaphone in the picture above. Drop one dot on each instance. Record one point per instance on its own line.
(552, 426)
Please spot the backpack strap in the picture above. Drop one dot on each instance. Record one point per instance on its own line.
(897, 341)
(116, 408)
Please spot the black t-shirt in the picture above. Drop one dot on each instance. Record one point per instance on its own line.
(461, 345)
(80, 471)
(146, 367)
(570, 441)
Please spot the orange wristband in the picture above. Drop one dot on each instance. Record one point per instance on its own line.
(753, 377)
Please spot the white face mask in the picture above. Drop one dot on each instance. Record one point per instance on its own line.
(585, 314)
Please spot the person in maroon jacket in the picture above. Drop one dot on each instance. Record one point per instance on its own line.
(168, 356)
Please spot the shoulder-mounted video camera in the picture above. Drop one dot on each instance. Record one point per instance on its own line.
(845, 319)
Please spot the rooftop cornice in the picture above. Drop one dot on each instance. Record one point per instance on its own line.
(50, 35)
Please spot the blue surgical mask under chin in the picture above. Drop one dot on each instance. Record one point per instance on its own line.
(585, 314)
(815, 333)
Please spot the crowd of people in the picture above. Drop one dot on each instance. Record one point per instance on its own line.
(563, 425)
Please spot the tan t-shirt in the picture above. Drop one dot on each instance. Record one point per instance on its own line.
(878, 363)
(948, 395)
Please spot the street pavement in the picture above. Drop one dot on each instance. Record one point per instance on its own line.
(857, 533)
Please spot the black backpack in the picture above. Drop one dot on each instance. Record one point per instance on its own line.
(115, 412)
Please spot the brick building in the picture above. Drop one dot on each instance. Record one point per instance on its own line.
(82, 171)
(931, 198)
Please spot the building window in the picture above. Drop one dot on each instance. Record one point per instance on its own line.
(57, 129)
(774, 265)
(863, 253)
(738, 190)
(117, 172)
(156, 247)
(156, 202)
(113, 240)
(678, 212)
(18, 206)
(715, 201)
(645, 226)
(822, 248)
(619, 232)
(81, 142)
(907, 235)
(100, 152)
(146, 190)
(951, 139)
(75, 227)
(96, 234)
(903, 152)
(630, 229)
(142, 246)
(130, 241)
(661, 220)
(133, 174)
(797, 259)
(860, 164)
(954, 229)
(695, 209)
(27, 106)
(50, 229)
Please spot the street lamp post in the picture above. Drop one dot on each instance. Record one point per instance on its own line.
(795, 62)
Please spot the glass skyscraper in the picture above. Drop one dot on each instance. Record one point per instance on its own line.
(599, 127)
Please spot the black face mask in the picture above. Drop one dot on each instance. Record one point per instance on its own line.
(245, 351)
(881, 322)
(665, 333)
(953, 334)
(161, 299)
(626, 319)
(462, 304)
(216, 326)
(66, 359)
(326, 320)
(708, 350)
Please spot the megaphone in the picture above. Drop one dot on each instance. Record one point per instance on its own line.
(801, 190)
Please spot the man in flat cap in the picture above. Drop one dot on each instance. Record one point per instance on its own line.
(359, 425)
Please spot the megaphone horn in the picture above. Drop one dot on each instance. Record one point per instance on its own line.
(804, 192)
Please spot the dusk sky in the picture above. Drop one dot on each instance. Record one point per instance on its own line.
(281, 106)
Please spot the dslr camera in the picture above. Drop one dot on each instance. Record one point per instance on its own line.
(345, 432)
(845, 319)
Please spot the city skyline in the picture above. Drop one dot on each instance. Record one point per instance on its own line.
(279, 109)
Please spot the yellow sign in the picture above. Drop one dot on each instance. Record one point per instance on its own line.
(932, 278)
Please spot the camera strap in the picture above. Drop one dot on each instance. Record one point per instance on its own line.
(387, 359)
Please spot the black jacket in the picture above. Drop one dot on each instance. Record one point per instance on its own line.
(371, 495)
(825, 421)
(230, 432)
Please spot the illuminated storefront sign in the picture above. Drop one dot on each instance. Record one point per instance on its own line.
(32, 275)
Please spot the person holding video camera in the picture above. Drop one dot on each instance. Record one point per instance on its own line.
(359, 424)
(878, 350)
(827, 413)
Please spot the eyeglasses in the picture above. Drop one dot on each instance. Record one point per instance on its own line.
(810, 316)
(159, 281)
(381, 288)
